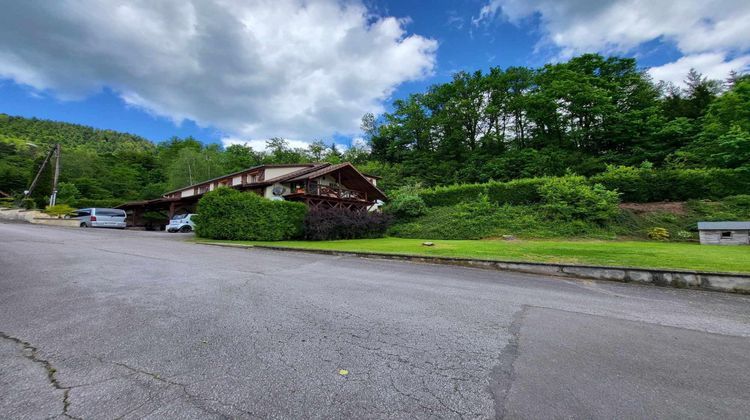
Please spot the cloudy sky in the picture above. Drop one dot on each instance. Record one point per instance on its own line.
(246, 70)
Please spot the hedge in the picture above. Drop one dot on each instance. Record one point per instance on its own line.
(634, 185)
(646, 185)
(452, 194)
(520, 191)
(226, 213)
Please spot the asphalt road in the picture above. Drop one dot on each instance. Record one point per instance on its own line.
(111, 324)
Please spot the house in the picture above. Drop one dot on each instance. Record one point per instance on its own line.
(724, 233)
(318, 185)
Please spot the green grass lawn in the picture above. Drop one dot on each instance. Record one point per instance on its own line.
(687, 256)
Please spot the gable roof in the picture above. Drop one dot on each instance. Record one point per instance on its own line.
(723, 225)
(295, 174)
(354, 178)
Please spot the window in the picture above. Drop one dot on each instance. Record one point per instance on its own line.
(726, 235)
(110, 212)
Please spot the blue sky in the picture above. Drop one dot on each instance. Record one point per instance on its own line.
(246, 71)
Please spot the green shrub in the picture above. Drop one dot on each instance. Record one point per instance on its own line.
(226, 213)
(482, 219)
(684, 235)
(67, 193)
(28, 203)
(572, 198)
(407, 206)
(658, 234)
(646, 184)
(452, 194)
(59, 210)
(520, 191)
(7, 202)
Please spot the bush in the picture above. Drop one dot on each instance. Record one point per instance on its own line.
(572, 198)
(332, 224)
(520, 191)
(684, 235)
(28, 203)
(658, 234)
(407, 206)
(482, 219)
(646, 184)
(226, 213)
(7, 202)
(452, 195)
(59, 210)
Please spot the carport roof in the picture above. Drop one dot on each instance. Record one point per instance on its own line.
(147, 202)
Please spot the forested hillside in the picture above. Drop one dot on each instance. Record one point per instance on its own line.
(578, 116)
(104, 167)
(591, 115)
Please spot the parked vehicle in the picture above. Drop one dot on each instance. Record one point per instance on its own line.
(101, 217)
(181, 223)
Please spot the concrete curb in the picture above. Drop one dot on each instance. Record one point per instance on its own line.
(700, 280)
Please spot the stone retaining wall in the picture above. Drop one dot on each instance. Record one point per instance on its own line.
(721, 282)
(35, 217)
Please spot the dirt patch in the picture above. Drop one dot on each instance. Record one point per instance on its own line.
(675, 207)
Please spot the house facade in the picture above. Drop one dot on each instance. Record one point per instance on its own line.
(724, 233)
(318, 185)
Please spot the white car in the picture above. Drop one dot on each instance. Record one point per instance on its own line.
(181, 223)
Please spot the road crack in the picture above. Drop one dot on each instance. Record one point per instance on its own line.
(32, 353)
(503, 374)
(194, 399)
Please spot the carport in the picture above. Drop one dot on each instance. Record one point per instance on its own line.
(146, 213)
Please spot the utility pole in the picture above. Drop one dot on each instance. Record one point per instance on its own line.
(56, 150)
(53, 197)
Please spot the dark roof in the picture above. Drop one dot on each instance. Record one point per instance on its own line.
(296, 174)
(723, 225)
(355, 177)
(280, 165)
(147, 202)
(319, 172)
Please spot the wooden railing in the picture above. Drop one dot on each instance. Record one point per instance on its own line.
(335, 192)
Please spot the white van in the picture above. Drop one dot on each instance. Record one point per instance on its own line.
(101, 217)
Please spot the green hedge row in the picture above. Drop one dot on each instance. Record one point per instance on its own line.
(226, 213)
(452, 194)
(520, 191)
(645, 185)
(634, 185)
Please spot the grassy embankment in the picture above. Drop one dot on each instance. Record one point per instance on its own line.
(687, 256)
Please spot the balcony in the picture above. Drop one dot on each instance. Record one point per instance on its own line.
(331, 192)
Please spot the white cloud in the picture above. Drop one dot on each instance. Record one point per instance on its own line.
(712, 65)
(260, 144)
(696, 27)
(291, 68)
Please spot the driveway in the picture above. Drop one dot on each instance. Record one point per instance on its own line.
(112, 324)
